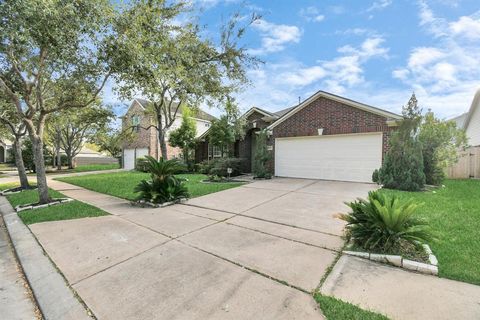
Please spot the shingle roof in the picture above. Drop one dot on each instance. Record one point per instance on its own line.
(283, 111)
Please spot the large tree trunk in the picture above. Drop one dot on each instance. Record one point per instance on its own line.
(163, 144)
(22, 173)
(57, 147)
(70, 160)
(40, 169)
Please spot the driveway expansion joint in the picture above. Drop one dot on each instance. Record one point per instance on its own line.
(120, 262)
(288, 225)
(285, 238)
(285, 283)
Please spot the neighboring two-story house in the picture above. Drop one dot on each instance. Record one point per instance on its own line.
(145, 141)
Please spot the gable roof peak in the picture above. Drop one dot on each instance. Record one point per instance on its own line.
(291, 111)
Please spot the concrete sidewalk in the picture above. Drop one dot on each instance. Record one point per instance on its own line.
(400, 294)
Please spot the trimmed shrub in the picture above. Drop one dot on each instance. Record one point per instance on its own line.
(402, 167)
(375, 177)
(141, 164)
(204, 167)
(384, 223)
(220, 167)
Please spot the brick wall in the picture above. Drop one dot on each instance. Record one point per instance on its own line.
(245, 145)
(143, 138)
(335, 118)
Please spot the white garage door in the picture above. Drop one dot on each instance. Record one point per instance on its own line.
(335, 157)
(129, 156)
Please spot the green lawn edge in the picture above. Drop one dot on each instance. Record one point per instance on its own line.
(335, 309)
(122, 184)
(65, 211)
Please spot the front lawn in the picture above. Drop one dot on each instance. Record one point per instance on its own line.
(453, 213)
(122, 184)
(64, 211)
(80, 168)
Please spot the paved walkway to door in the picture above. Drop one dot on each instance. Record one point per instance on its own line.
(255, 251)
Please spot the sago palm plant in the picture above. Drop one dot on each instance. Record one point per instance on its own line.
(161, 169)
(163, 186)
(382, 223)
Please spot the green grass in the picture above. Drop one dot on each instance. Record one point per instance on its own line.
(453, 212)
(65, 211)
(121, 184)
(81, 168)
(9, 185)
(335, 309)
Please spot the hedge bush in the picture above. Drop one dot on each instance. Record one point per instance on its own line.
(218, 167)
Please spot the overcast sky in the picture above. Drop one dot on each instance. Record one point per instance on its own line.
(373, 51)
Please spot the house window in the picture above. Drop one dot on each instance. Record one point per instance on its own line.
(207, 125)
(214, 151)
(136, 123)
(217, 152)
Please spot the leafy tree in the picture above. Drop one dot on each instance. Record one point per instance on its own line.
(28, 156)
(175, 65)
(76, 126)
(110, 140)
(184, 136)
(222, 134)
(56, 51)
(441, 141)
(13, 127)
(52, 138)
(229, 128)
(262, 156)
(402, 167)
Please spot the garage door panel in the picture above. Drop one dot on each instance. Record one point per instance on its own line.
(343, 157)
(130, 156)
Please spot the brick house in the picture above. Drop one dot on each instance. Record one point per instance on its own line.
(324, 137)
(146, 136)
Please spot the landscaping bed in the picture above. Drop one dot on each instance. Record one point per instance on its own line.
(65, 211)
(453, 213)
(122, 184)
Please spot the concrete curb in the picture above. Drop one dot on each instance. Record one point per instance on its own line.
(399, 261)
(54, 298)
(143, 203)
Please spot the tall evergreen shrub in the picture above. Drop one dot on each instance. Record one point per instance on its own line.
(403, 166)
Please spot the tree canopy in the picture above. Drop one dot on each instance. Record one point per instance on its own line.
(174, 65)
(441, 141)
(52, 58)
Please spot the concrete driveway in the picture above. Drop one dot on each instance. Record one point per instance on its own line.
(252, 252)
